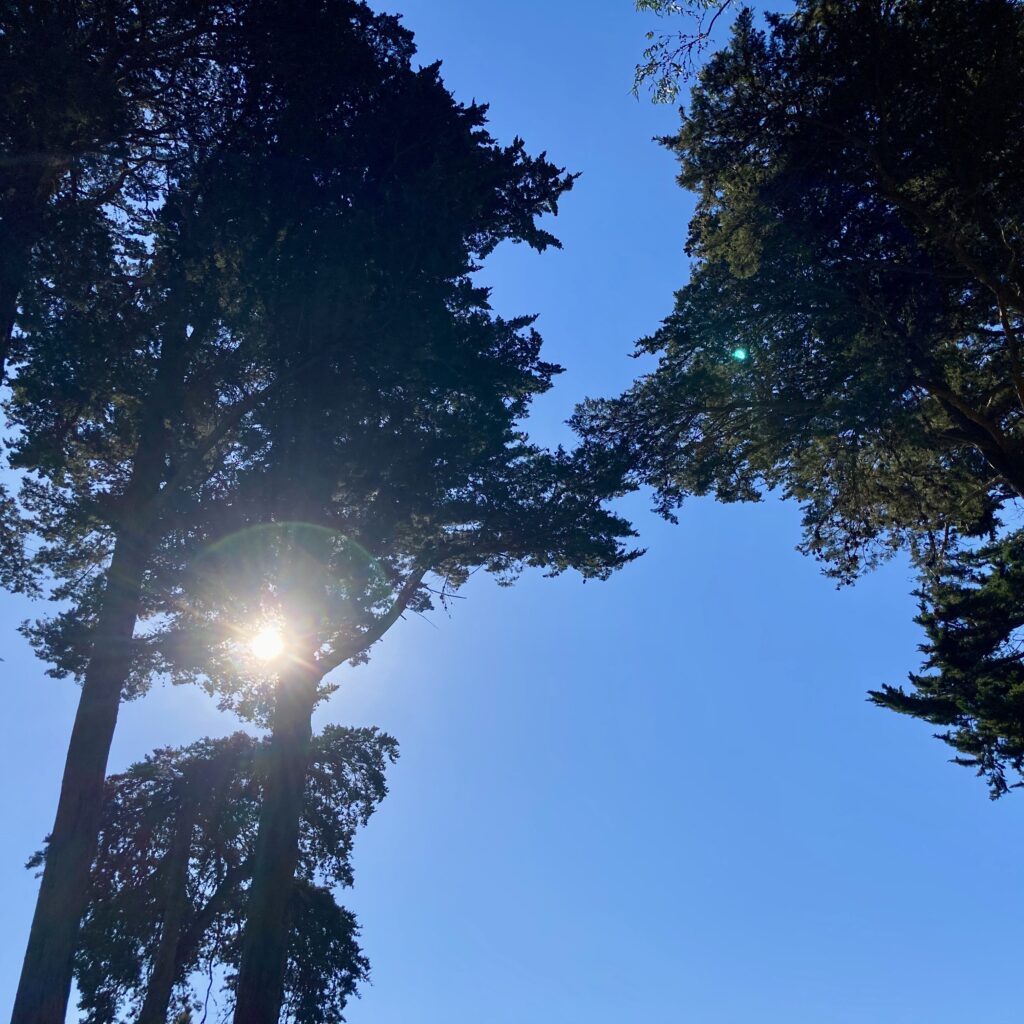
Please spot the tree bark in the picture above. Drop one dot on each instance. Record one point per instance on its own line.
(46, 973)
(45, 983)
(260, 988)
(175, 911)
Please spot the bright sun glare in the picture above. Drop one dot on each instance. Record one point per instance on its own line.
(267, 643)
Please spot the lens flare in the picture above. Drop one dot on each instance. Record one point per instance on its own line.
(267, 643)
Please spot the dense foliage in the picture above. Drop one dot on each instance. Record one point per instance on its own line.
(100, 100)
(277, 392)
(851, 331)
(973, 684)
(175, 854)
(389, 461)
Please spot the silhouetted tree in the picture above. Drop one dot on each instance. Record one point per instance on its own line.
(851, 331)
(390, 464)
(103, 104)
(307, 344)
(169, 885)
(112, 392)
(130, 386)
(973, 687)
(98, 100)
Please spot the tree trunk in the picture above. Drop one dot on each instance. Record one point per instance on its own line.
(46, 973)
(175, 910)
(260, 988)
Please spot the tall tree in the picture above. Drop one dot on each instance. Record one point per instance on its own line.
(101, 403)
(308, 345)
(97, 99)
(389, 464)
(169, 885)
(851, 331)
(129, 384)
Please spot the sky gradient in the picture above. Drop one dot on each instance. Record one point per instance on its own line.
(658, 799)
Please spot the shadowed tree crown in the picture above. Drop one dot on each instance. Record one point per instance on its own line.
(289, 399)
(389, 421)
(851, 333)
(176, 845)
(99, 102)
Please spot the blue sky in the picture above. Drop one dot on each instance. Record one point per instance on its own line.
(662, 798)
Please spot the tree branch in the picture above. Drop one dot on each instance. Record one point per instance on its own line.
(339, 655)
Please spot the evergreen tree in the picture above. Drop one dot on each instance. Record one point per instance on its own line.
(389, 464)
(832, 341)
(851, 331)
(129, 387)
(973, 687)
(302, 341)
(169, 885)
(113, 403)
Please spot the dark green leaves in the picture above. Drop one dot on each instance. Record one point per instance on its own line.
(857, 237)
(850, 335)
(217, 784)
(973, 687)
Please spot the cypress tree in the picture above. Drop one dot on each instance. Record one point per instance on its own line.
(850, 331)
(168, 889)
(850, 335)
(301, 342)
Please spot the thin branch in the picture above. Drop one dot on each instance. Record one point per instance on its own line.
(339, 655)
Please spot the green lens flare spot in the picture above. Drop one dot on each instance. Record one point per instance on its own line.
(740, 355)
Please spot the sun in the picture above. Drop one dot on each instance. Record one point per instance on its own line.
(267, 643)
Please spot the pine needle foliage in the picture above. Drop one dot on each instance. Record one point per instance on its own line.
(858, 237)
(146, 879)
(850, 335)
(973, 684)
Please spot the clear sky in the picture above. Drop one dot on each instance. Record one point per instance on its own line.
(659, 799)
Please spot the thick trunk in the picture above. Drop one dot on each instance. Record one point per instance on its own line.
(46, 973)
(175, 911)
(265, 943)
